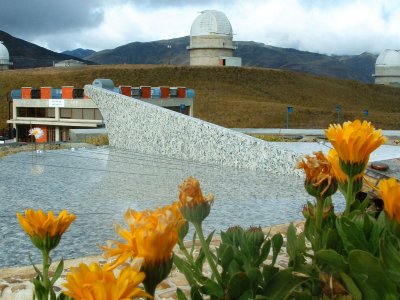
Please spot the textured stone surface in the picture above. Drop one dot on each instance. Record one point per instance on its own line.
(136, 125)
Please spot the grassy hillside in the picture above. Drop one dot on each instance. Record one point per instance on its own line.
(235, 97)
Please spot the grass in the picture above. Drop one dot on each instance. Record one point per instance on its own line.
(99, 140)
(234, 97)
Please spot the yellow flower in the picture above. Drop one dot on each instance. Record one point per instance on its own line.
(151, 235)
(354, 142)
(99, 283)
(320, 179)
(333, 159)
(389, 190)
(44, 230)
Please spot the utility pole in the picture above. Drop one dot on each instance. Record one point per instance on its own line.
(289, 111)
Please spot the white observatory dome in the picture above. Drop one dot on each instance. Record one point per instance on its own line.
(3, 52)
(389, 58)
(211, 22)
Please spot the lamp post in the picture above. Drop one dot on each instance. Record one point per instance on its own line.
(289, 111)
(338, 109)
(182, 108)
(366, 112)
(169, 47)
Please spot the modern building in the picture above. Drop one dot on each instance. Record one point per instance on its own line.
(69, 63)
(57, 110)
(4, 57)
(211, 41)
(387, 68)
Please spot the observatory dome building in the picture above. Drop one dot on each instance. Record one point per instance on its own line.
(4, 57)
(211, 41)
(387, 68)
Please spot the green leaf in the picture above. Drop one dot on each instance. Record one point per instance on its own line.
(184, 267)
(301, 243)
(227, 256)
(370, 276)
(58, 272)
(390, 255)
(351, 286)
(34, 267)
(238, 284)
(291, 242)
(282, 285)
(268, 272)
(193, 244)
(266, 247)
(351, 235)
(195, 294)
(255, 277)
(181, 295)
(334, 261)
(277, 242)
(213, 289)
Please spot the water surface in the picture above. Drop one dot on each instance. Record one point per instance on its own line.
(98, 185)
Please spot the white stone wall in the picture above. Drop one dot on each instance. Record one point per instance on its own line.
(136, 125)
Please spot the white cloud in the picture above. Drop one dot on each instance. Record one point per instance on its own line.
(332, 27)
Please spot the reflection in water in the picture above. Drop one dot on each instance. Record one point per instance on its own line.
(98, 185)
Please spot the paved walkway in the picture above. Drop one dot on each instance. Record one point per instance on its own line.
(297, 131)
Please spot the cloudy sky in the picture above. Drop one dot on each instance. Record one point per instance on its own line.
(323, 26)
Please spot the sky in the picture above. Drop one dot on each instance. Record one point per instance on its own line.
(322, 26)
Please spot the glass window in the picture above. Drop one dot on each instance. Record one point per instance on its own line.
(51, 112)
(22, 112)
(66, 113)
(77, 113)
(88, 113)
(97, 114)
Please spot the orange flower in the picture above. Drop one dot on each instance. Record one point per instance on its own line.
(98, 283)
(320, 180)
(193, 205)
(151, 235)
(39, 226)
(354, 142)
(389, 190)
(191, 195)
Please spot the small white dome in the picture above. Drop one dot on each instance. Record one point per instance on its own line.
(389, 58)
(4, 52)
(211, 22)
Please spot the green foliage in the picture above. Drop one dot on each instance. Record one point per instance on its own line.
(99, 140)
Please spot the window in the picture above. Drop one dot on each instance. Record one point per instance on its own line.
(77, 113)
(97, 114)
(66, 113)
(88, 113)
(35, 112)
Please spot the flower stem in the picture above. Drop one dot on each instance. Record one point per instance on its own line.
(207, 253)
(45, 279)
(318, 222)
(185, 252)
(349, 195)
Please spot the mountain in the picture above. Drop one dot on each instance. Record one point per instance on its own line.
(27, 55)
(157, 52)
(174, 52)
(357, 67)
(79, 53)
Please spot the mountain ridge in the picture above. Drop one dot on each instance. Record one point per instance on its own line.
(174, 52)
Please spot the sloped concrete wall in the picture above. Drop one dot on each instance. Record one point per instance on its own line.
(139, 126)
